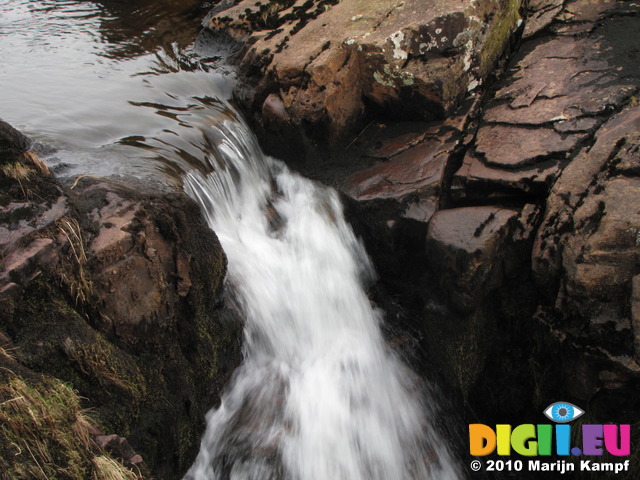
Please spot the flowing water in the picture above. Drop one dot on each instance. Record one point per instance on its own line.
(319, 395)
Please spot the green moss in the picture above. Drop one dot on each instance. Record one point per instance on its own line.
(498, 36)
(461, 346)
(55, 339)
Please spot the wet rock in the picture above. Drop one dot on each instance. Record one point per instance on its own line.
(479, 302)
(589, 196)
(635, 314)
(25, 263)
(541, 14)
(478, 181)
(515, 147)
(120, 448)
(329, 63)
(557, 93)
(12, 142)
(116, 289)
(30, 204)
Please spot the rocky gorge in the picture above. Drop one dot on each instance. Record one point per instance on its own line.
(487, 154)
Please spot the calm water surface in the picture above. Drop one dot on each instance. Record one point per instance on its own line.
(92, 78)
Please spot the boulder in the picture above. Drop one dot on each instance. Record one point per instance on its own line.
(474, 250)
(12, 142)
(317, 68)
(412, 177)
(586, 258)
(586, 252)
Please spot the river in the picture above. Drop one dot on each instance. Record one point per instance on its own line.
(118, 88)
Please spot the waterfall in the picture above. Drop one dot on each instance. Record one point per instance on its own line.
(319, 396)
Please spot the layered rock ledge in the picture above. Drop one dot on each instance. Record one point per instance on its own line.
(313, 71)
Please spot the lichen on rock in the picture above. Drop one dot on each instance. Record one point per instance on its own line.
(332, 64)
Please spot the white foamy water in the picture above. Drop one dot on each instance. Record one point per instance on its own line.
(319, 396)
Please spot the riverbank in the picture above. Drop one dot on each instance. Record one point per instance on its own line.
(114, 323)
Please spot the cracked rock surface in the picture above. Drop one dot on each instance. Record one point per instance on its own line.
(317, 68)
(512, 224)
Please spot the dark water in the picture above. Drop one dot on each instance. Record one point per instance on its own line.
(93, 78)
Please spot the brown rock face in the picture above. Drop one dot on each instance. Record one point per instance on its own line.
(477, 249)
(587, 251)
(530, 201)
(413, 177)
(319, 67)
(558, 91)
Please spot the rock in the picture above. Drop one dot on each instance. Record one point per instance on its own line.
(512, 147)
(119, 447)
(30, 205)
(587, 254)
(469, 247)
(635, 314)
(26, 263)
(320, 66)
(477, 181)
(414, 177)
(542, 14)
(557, 93)
(115, 288)
(12, 142)
(589, 196)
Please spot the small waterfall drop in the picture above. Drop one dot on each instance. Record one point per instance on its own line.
(319, 396)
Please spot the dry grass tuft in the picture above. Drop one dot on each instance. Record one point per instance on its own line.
(106, 468)
(37, 423)
(79, 283)
(45, 435)
(20, 173)
(7, 354)
(96, 362)
(33, 159)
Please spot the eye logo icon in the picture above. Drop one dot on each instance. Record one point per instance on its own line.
(563, 412)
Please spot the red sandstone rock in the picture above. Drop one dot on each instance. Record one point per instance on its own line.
(314, 64)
